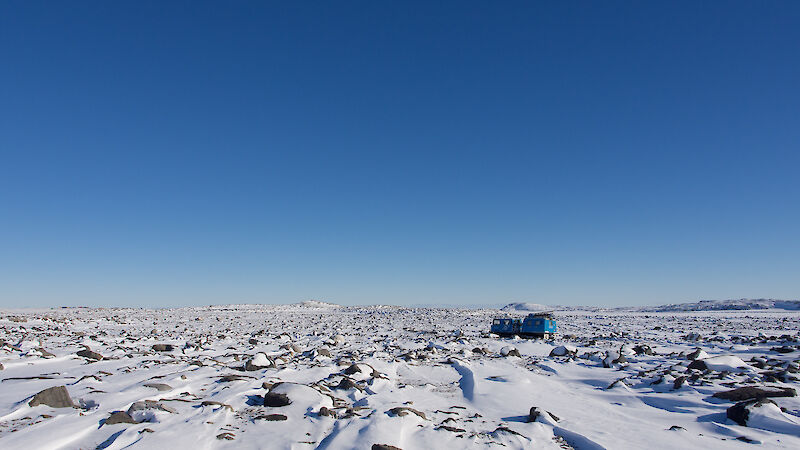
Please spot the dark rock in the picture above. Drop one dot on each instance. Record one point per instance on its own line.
(385, 447)
(751, 392)
(698, 364)
(276, 400)
(643, 350)
(227, 436)
(677, 428)
(229, 378)
(536, 412)
(352, 370)
(680, 381)
(347, 383)
(253, 341)
(324, 352)
(56, 397)
(784, 349)
(401, 411)
(119, 417)
(88, 354)
(325, 411)
(272, 417)
(693, 355)
(449, 428)
(740, 412)
(163, 347)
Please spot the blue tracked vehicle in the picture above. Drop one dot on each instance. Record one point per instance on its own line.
(534, 325)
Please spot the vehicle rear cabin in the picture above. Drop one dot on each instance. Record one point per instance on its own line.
(534, 325)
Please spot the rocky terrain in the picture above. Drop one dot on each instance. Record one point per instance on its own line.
(316, 375)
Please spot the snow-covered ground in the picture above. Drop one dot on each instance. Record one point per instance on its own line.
(316, 375)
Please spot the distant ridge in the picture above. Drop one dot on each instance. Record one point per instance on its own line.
(743, 304)
(316, 304)
(526, 307)
(728, 305)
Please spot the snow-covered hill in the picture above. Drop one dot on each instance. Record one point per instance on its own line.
(526, 307)
(726, 305)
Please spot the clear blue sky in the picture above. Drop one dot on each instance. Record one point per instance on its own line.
(176, 153)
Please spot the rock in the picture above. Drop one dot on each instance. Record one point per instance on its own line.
(678, 382)
(564, 350)
(449, 428)
(149, 405)
(384, 447)
(119, 417)
(258, 362)
(325, 411)
(55, 397)
(215, 403)
(45, 353)
(160, 386)
(698, 353)
(323, 352)
(538, 413)
(509, 350)
(613, 358)
(643, 350)
(163, 347)
(753, 392)
(352, 370)
(276, 400)
(621, 382)
(740, 412)
(784, 349)
(229, 378)
(677, 428)
(228, 436)
(401, 411)
(272, 417)
(88, 354)
(698, 364)
(722, 363)
(347, 383)
(252, 341)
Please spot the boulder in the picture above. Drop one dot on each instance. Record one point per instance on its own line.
(564, 350)
(539, 414)
(163, 347)
(45, 353)
(740, 412)
(276, 399)
(119, 417)
(401, 411)
(272, 417)
(88, 354)
(509, 350)
(258, 362)
(384, 447)
(755, 392)
(160, 386)
(55, 397)
(698, 353)
(643, 350)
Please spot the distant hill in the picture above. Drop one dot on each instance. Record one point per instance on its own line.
(526, 307)
(728, 305)
(316, 304)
